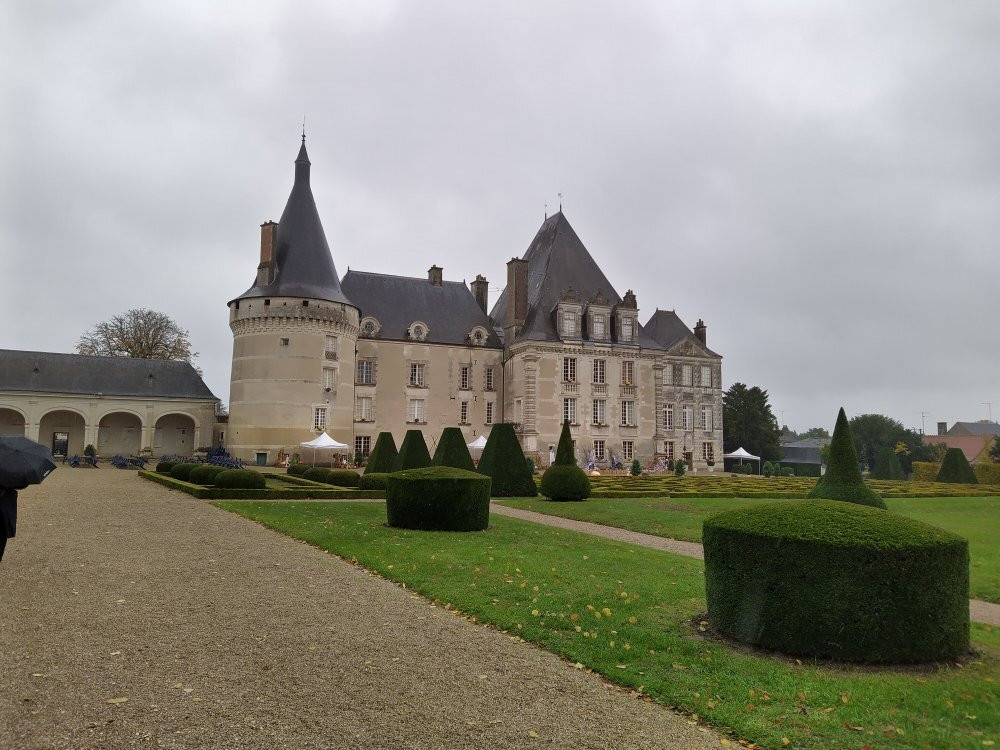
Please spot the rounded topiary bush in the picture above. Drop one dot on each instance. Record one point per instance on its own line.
(837, 580)
(164, 467)
(316, 474)
(343, 477)
(955, 468)
(243, 479)
(438, 498)
(565, 483)
(373, 481)
(182, 471)
(205, 473)
(297, 470)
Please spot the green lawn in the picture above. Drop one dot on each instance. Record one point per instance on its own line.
(624, 610)
(975, 518)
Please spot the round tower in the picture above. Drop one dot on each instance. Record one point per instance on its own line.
(294, 336)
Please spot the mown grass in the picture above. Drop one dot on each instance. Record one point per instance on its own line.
(626, 612)
(975, 518)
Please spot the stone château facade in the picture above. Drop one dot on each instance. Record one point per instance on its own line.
(377, 352)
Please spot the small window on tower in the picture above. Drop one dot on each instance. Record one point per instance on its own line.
(283, 342)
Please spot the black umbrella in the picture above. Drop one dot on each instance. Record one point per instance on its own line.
(23, 462)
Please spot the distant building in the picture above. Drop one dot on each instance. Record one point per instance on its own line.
(974, 438)
(377, 352)
(116, 404)
(804, 456)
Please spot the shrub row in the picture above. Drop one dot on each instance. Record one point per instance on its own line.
(290, 493)
(336, 477)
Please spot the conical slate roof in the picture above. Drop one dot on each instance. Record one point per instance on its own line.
(304, 266)
(557, 261)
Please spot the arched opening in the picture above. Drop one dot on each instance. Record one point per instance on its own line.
(174, 435)
(63, 432)
(119, 432)
(11, 423)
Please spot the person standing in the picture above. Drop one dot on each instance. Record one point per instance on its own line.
(8, 516)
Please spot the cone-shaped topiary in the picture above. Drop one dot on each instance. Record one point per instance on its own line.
(564, 480)
(413, 453)
(887, 464)
(452, 450)
(955, 468)
(503, 461)
(842, 480)
(383, 455)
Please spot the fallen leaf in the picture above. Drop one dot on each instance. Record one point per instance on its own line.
(177, 685)
(785, 741)
(116, 701)
(532, 733)
(849, 725)
(844, 697)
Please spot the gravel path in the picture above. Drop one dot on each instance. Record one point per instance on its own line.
(133, 616)
(980, 611)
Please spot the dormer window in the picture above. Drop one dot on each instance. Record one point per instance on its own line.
(417, 331)
(628, 330)
(478, 336)
(600, 327)
(568, 323)
(370, 327)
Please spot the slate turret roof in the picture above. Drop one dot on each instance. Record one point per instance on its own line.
(557, 261)
(304, 266)
(396, 302)
(81, 374)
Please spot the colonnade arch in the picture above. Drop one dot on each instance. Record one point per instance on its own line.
(175, 434)
(119, 432)
(11, 422)
(63, 431)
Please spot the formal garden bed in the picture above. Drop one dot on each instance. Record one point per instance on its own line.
(277, 487)
(625, 612)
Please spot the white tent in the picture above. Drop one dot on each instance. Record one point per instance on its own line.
(478, 444)
(743, 455)
(321, 442)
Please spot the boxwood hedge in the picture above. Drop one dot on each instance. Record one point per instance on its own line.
(383, 455)
(373, 481)
(343, 478)
(956, 469)
(837, 580)
(205, 473)
(439, 498)
(182, 471)
(564, 480)
(297, 470)
(164, 467)
(503, 462)
(247, 479)
(452, 450)
(413, 453)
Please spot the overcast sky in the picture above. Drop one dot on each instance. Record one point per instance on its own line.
(820, 181)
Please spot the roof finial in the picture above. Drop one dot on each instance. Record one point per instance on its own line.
(560, 202)
(546, 209)
(303, 130)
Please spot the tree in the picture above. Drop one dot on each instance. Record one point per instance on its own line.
(887, 464)
(956, 469)
(815, 432)
(747, 422)
(872, 432)
(842, 480)
(139, 333)
(995, 450)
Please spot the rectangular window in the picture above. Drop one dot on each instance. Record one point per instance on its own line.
(598, 450)
(686, 375)
(668, 375)
(282, 342)
(319, 418)
(688, 416)
(489, 379)
(417, 375)
(706, 417)
(463, 413)
(329, 377)
(568, 322)
(599, 412)
(628, 372)
(366, 372)
(363, 445)
(600, 326)
(489, 412)
(465, 377)
(668, 450)
(599, 371)
(627, 329)
(518, 410)
(628, 449)
(708, 451)
(668, 417)
(569, 369)
(569, 410)
(330, 347)
(416, 412)
(628, 413)
(706, 377)
(363, 409)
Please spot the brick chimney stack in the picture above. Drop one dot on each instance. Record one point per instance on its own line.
(268, 246)
(435, 275)
(517, 293)
(942, 428)
(700, 332)
(480, 290)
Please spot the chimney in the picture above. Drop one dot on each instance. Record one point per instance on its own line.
(480, 290)
(517, 292)
(942, 428)
(434, 275)
(700, 331)
(268, 246)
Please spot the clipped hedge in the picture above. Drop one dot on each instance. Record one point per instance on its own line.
(565, 483)
(837, 580)
(452, 450)
(183, 471)
(383, 455)
(343, 478)
(205, 474)
(504, 463)
(297, 470)
(246, 479)
(842, 480)
(955, 468)
(987, 473)
(440, 498)
(316, 474)
(374, 481)
(413, 453)
(164, 467)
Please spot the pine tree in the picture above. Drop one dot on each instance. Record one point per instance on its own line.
(842, 480)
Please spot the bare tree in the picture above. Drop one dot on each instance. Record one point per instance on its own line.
(140, 333)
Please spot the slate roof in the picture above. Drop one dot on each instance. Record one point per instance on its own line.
(805, 451)
(304, 265)
(975, 428)
(558, 260)
(667, 329)
(449, 311)
(50, 372)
